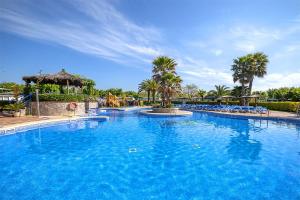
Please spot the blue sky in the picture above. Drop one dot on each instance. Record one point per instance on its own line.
(114, 41)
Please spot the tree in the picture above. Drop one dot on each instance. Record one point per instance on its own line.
(220, 90)
(257, 67)
(132, 94)
(201, 93)
(145, 86)
(153, 87)
(237, 91)
(115, 91)
(164, 73)
(88, 86)
(240, 73)
(12, 85)
(190, 90)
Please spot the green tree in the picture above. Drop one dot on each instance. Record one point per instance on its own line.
(164, 73)
(246, 68)
(190, 90)
(240, 73)
(201, 93)
(12, 85)
(145, 86)
(257, 67)
(115, 91)
(153, 86)
(220, 90)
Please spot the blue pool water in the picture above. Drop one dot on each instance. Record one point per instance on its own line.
(132, 156)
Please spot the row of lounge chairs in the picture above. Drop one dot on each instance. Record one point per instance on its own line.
(225, 108)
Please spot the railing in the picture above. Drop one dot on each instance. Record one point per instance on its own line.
(27, 102)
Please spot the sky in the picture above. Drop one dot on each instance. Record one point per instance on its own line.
(114, 41)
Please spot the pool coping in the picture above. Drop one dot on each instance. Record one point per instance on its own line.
(125, 108)
(249, 116)
(178, 113)
(11, 129)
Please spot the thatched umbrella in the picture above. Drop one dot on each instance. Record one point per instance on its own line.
(60, 78)
(227, 97)
(255, 97)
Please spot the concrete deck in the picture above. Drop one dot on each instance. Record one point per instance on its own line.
(15, 123)
(125, 108)
(273, 115)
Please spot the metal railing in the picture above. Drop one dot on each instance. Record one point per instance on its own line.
(26, 100)
(298, 111)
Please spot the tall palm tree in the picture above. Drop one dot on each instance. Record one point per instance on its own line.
(164, 74)
(257, 67)
(240, 72)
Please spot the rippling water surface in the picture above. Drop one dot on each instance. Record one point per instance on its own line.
(137, 157)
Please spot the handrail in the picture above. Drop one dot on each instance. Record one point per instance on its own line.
(28, 97)
(298, 110)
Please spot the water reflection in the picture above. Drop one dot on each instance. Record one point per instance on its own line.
(241, 147)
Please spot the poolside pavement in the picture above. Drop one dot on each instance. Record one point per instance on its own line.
(277, 115)
(14, 123)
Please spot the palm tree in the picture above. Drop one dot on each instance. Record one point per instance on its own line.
(145, 86)
(221, 90)
(173, 86)
(153, 87)
(201, 93)
(165, 75)
(240, 72)
(237, 91)
(257, 67)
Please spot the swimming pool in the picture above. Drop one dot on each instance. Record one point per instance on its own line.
(133, 156)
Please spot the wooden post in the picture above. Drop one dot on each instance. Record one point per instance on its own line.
(68, 86)
(37, 102)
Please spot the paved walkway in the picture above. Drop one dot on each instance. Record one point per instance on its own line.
(6, 121)
(15, 123)
(272, 115)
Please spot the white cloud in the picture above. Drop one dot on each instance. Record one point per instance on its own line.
(249, 39)
(277, 80)
(105, 32)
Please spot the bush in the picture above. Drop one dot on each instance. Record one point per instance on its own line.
(65, 97)
(279, 106)
(14, 107)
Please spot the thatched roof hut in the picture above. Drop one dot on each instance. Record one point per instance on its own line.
(60, 78)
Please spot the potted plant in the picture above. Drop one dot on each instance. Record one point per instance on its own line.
(15, 109)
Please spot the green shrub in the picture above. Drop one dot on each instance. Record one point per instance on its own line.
(279, 106)
(14, 106)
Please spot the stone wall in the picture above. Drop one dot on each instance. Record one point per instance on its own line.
(55, 108)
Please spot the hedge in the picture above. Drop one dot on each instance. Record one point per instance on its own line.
(64, 97)
(279, 106)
